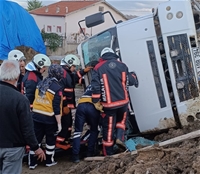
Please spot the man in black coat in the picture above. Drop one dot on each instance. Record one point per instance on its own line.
(16, 125)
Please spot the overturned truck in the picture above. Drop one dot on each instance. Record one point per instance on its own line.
(162, 48)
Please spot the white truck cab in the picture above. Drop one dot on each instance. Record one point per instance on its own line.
(162, 48)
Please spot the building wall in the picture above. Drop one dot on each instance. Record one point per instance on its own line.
(73, 30)
(69, 26)
(46, 22)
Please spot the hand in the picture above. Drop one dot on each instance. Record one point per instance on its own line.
(98, 106)
(136, 79)
(41, 155)
(59, 128)
(87, 69)
(66, 110)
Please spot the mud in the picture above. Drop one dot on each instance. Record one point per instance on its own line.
(183, 157)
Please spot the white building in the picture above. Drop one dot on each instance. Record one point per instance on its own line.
(62, 18)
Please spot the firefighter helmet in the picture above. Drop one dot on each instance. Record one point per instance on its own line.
(70, 60)
(16, 55)
(41, 60)
(106, 50)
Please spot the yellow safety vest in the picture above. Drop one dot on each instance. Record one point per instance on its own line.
(44, 105)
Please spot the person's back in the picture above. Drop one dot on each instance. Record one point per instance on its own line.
(113, 81)
(11, 104)
(46, 113)
(16, 126)
(110, 81)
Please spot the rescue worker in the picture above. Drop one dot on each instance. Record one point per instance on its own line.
(85, 112)
(47, 111)
(110, 81)
(70, 79)
(18, 56)
(33, 75)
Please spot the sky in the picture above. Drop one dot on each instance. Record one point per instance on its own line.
(131, 7)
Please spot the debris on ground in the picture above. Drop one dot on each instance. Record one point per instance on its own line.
(182, 157)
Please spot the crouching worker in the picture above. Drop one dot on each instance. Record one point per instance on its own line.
(86, 112)
(47, 111)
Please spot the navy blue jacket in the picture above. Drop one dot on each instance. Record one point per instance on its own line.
(110, 81)
(68, 83)
(29, 83)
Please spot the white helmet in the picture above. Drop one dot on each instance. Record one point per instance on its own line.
(106, 50)
(41, 60)
(70, 60)
(16, 55)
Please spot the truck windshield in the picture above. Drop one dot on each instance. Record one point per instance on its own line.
(92, 47)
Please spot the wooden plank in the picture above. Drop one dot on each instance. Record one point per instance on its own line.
(95, 158)
(178, 139)
(101, 158)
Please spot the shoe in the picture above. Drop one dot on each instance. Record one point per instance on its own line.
(121, 144)
(51, 164)
(63, 145)
(33, 167)
(75, 158)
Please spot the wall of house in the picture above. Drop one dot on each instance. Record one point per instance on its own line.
(56, 24)
(69, 48)
(69, 26)
(73, 30)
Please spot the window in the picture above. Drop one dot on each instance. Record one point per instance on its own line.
(48, 28)
(101, 8)
(57, 9)
(92, 47)
(58, 30)
(66, 9)
(47, 10)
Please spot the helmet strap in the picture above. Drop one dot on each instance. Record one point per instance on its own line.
(37, 67)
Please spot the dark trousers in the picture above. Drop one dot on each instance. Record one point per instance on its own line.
(66, 121)
(49, 131)
(86, 112)
(113, 124)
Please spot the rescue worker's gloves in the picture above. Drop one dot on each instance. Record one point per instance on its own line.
(98, 106)
(87, 69)
(136, 79)
(59, 128)
(66, 110)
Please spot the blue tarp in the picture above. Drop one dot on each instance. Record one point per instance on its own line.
(17, 28)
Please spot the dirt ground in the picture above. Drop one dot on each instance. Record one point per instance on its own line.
(179, 158)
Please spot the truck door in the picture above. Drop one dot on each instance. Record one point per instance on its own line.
(180, 43)
(90, 49)
(139, 50)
